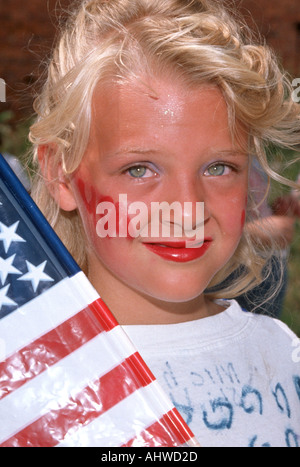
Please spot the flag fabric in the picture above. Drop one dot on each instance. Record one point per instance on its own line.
(69, 375)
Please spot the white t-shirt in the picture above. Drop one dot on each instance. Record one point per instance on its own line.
(234, 377)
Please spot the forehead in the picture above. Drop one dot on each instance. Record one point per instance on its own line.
(147, 102)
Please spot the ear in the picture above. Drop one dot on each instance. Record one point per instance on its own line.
(56, 180)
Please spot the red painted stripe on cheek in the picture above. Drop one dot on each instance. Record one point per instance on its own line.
(243, 218)
(91, 198)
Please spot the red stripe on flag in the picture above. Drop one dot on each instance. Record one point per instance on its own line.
(103, 315)
(169, 430)
(139, 367)
(95, 399)
(48, 349)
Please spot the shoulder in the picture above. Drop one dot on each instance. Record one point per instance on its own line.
(273, 327)
(273, 336)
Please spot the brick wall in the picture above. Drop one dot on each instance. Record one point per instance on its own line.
(27, 30)
(279, 22)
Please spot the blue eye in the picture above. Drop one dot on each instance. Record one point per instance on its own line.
(138, 171)
(217, 170)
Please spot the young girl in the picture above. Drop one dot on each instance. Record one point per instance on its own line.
(150, 101)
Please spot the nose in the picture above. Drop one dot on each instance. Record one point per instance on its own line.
(187, 207)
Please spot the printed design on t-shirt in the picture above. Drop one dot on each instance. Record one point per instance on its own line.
(227, 401)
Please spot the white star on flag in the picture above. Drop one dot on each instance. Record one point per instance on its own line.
(4, 300)
(35, 274)
(8, 235)
(6, 268)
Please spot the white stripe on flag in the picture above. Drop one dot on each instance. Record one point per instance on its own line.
(45, 312)
(53, 388)
(124, 421)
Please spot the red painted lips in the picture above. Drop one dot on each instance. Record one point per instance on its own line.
(178, 251)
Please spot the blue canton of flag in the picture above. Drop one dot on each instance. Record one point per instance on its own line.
(69, 376)
(25, 271)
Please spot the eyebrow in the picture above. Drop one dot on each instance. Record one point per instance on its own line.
(132, 150)
(144, 151)
(231, 152)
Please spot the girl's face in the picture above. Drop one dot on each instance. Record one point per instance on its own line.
(162, 143)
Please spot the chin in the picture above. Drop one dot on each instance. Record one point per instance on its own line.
(175, 294)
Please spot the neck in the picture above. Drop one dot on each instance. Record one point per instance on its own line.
(132, 307)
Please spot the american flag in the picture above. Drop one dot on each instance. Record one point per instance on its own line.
(69, 375)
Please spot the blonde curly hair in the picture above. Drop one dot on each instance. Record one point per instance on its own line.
(198, 41)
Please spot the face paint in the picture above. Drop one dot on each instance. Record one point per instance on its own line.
(109, 218)
(243, 218)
